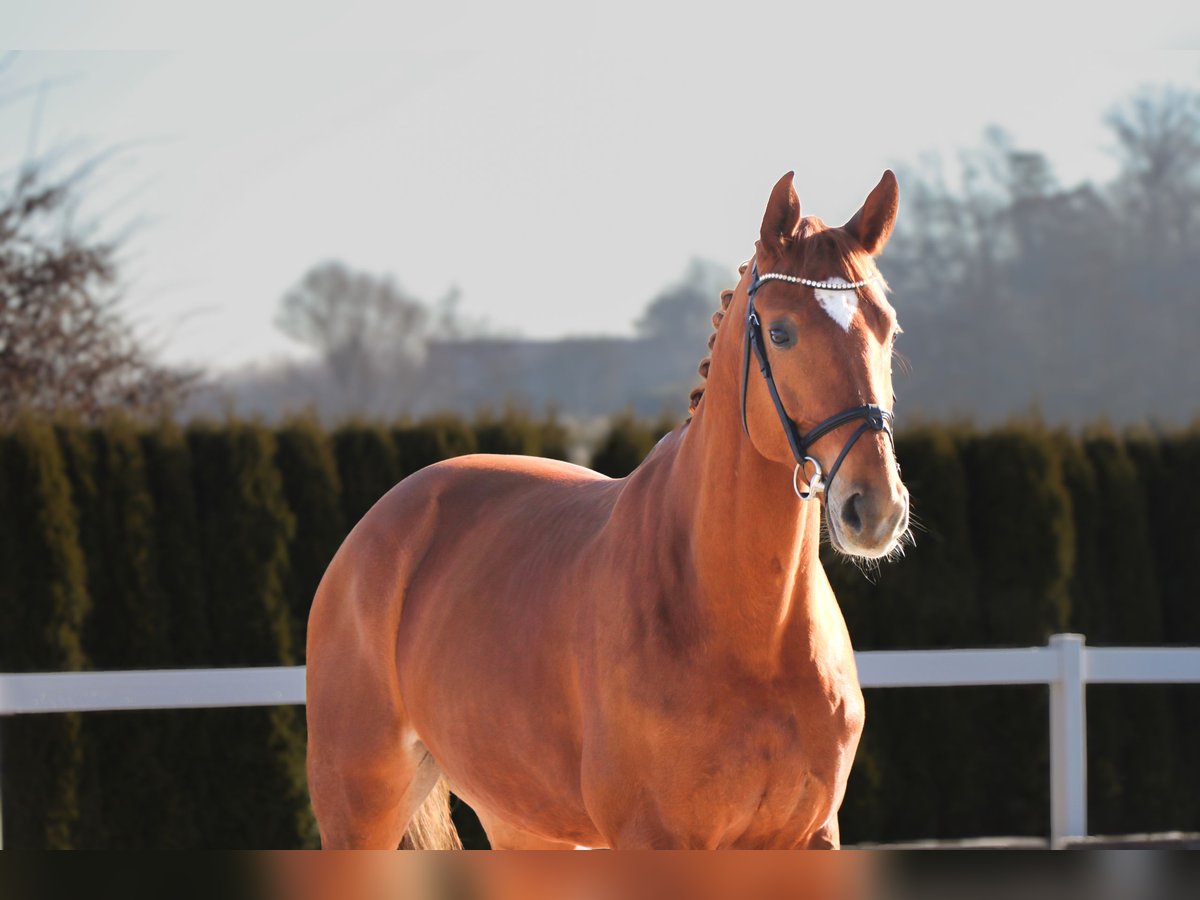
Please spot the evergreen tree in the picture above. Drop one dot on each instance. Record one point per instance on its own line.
(245, 527)
(511, 433)
(128, 625)
(310, 482)
(1021, 530)
(1019, 514)
(1089, 617)
(180, 571)
(43, 605)
(127, 800)
(1166, 465)
(368, 467)
(1125, 554)
(180, 563)
(455, 436)
(1085, 585)
(424, 443)
(552, 439)
(623, 448)
(1132, 610)
(77, 446)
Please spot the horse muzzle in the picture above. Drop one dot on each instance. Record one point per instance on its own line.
(866, 522)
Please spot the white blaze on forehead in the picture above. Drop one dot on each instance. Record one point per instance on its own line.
(840, 305)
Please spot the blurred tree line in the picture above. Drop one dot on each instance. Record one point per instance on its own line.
(130, 545)
(1017, 293)
(380, 351)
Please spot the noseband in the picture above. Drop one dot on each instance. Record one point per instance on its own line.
(874, 417)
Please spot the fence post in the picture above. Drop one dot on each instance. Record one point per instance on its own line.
(1068, 742)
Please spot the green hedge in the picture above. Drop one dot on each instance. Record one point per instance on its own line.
(43, 605)
(128, 546)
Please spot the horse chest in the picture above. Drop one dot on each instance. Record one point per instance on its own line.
(743, 764)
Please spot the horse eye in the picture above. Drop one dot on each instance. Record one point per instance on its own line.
(779, 336)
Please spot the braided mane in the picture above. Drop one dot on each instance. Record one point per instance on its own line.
(698, 391)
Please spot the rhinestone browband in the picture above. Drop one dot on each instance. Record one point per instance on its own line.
(823, 285)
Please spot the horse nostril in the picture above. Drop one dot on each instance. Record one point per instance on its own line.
(850, 517)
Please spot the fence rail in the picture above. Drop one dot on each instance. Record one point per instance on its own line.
(61, 692)
(1066, 665)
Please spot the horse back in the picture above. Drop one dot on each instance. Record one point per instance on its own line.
(459, 529)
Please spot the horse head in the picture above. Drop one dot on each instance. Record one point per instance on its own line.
(817, 371)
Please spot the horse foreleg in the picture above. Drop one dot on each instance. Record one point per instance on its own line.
(827, 837)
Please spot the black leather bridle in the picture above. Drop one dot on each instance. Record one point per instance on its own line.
(873, 417)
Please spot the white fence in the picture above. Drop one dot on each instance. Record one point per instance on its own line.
(1066, 665)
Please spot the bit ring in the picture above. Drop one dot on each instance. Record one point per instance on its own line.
(816, 484)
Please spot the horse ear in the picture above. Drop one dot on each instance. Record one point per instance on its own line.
(782, 217)
(872, 225)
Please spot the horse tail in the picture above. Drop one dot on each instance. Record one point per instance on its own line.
(431, 827)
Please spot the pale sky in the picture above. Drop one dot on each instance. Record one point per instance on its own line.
(558, 168)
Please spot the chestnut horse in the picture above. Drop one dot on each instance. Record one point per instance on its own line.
(653, 661)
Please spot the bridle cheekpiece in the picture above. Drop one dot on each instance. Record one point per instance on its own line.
(873, 417)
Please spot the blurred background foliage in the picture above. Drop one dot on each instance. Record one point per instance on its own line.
(1017, 293)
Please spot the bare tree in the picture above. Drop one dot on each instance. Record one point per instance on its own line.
(369, 332)
(683, 311)
(1158, 148)
(63, 343)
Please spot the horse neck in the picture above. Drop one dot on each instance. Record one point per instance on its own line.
(755, 543)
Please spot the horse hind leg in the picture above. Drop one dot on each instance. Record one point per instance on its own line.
(368, 773)
(365, 797)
